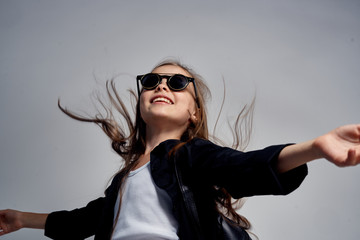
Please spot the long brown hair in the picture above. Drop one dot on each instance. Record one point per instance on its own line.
(130, 143)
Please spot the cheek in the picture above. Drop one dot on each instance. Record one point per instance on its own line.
(187, 101)
(142, 104)
(144, 97)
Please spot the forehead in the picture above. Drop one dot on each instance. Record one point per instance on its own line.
(171, 70)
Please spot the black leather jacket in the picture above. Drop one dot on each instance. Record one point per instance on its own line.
(206, 165)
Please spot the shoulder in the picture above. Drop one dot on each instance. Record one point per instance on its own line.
(202, 144)
(114, 186)
(201, 152)
(199, 146)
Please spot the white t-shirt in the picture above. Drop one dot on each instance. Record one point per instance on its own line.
(146, 210)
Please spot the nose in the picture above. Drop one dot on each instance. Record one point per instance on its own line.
(162, 85)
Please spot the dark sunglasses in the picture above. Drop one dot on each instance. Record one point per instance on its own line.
(175, 82)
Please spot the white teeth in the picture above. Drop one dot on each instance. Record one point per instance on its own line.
(161, 99)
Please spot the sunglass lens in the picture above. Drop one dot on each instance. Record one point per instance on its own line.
(149, 81)
(178, 82)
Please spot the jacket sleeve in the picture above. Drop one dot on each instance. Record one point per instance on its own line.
(76, 224)
(243, 174)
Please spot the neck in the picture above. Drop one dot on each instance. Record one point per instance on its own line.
(155, 137)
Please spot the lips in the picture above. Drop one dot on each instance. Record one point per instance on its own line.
(162, 99)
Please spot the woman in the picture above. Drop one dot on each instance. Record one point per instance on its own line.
(144, 200)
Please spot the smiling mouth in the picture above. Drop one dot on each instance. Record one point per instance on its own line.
(162, 99)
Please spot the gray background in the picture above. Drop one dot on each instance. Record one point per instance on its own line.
(300, 58)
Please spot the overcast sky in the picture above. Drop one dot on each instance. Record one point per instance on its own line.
(300, 58)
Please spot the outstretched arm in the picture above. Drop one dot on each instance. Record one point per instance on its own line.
(340, 146)
(12, 220)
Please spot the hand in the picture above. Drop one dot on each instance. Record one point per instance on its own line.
(10, 221)
(340, 146)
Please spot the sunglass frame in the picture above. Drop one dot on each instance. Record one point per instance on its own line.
(168, 78)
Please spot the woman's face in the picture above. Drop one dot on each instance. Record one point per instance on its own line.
(164, 108)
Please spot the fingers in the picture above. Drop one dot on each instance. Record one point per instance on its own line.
(8, 221)
(353, 157)
(2, 231)
(355, 130)
(2, 226)
(358, 131)
(355, 154)
(2, 223)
